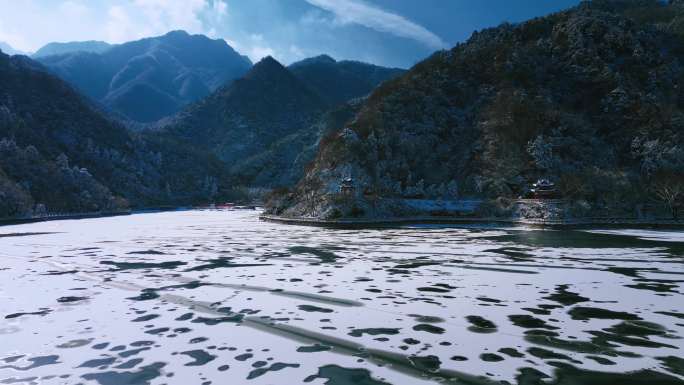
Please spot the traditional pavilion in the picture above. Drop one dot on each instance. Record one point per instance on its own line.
(347, 186)
(543, 189)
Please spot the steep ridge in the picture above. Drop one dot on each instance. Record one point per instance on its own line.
(244, 117)
(266, 126)
(148, 79)
(590, 98)
(283, 163)
(340, 81)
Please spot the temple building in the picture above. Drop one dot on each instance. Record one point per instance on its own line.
(544, 189)
(347, 187)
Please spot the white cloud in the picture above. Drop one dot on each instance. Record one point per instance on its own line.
(296, 52)
(141, 18)
(359, 12)
(216, 17)
(220, 8)
(255, 47)
(119, 25)
(74, 9)
(257, 53)
(57, 21)
(12, 38)
(114, 21)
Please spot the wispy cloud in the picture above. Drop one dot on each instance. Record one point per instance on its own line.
(359, 12)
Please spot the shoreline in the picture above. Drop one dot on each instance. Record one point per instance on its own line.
(552, 224)
(391, 222)
(22, 221)
(76, 216)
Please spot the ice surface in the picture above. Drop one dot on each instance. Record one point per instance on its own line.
(214, 297)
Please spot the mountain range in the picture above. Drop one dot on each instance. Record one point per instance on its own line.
(64, 150)
(148, 79)
(591, 98)
(56, 48)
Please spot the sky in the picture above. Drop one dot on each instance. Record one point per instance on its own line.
(396, 33)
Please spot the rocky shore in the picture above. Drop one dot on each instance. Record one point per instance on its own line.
(388, 222)
(531, 212)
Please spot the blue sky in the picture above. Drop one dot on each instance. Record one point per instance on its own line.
(387, 32)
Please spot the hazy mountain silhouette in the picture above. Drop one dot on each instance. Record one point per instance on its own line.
(56, 48)
(339, 81)
(148, 79)
(9, 50)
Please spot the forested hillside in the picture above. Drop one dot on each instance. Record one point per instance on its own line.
(57, 150)
(591, 98)
(266, 126)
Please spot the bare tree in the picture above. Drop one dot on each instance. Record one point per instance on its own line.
(14, 200)
(311, 200)
(670, 191)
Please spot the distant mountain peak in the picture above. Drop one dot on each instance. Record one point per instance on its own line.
(179, 37)
(268, 60)
(264, 77)
(340, 81)
(320, 59)
(267, 64)
(61, 48)
(177, 32)
(324, 58)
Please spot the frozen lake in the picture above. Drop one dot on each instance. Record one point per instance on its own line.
(223, 298)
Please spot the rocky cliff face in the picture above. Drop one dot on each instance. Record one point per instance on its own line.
(152, 78)
(591, 98)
